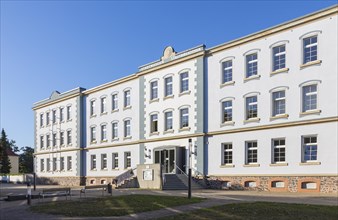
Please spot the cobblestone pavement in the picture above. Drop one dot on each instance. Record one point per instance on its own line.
(20, 210)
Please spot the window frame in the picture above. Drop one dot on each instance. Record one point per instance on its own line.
(223, 69)
(115, 130)
(93, 138)
(69, 163)
(279, 54)
(93, 165)
(168, 86)
(92, 107)
(247, 114)
(127, 128)
(167, 119)
(184, 82)
(304, 147)
(154, 123)
(104, 132)
(275, 147)
(115, 105)
(115, 160)
(247, 62)
(103, 104)
(127, 159)
(154, 90)
(104, 164)
(223, 101)
(224, 152)
(182, 115)
(247, 152)
(127, 98)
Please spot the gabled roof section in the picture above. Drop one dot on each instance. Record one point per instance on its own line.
(57, 96)
(11, 153)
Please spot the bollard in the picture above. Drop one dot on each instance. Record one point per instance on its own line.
(29, 193)
(110, 189)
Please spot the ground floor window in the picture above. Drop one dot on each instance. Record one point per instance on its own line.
(127, 159)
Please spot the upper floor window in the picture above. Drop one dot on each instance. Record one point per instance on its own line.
(153, 90)
(127, 98)
(114, 130)
(168, 124)
(69, 162)
(54, 116)
(227, 153)
(69, 137)
(153, 123)
(309, 97)
(278, 100)
(92, 134)
(47, 118)
(251, 152)
(309, 148)
(278, 146)
(168, 86)
(227, 111)
(62, 138)
(227, 71)
(103, 132)
(54, 139)
(278, 57)
(92, 107)
(114, 102)
(103, 104)
(251, 65)
(69, 111)
(127, 128)
(41, 120)
(310, 45)
(42, 144)
(62, 115)
(251, 107)
(48, 140)
(103, 161)
(42, 165)
(184, 115)
(184, 82)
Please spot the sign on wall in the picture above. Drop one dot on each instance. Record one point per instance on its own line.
(148, 174)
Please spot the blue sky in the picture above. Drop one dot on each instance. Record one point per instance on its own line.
(61, 45)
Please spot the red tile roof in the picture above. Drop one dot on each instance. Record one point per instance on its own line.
(11, 153)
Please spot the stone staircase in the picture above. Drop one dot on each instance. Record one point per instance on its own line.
(179, 182)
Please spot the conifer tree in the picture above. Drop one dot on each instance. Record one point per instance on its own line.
(5, 165)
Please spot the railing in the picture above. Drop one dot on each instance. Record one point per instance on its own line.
(182, 172)
(124, 176)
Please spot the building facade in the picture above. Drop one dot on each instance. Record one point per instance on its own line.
(260, 111)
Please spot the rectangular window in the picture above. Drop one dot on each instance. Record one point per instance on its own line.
(41, 120)
(251, 65)
(69, 163)
(54, 139)
(92, 162)
(168, 120)
(309, 98)
(184, 82)
(47, 118)
(168, 87)
(153, 123)
(103, 105)
(42, 165)
(54, 116)
(126, 128)
(115, 162)
(227, 111)
(153, 90)
(54, 164)
(309, 148)
(184, 118)
(115, 131)
(278, 103)
(127, 159)
(48, 164)
(251, 152)
(278, 146)
(227, 71)
(227, 153)
(251, 107)
(310, 49)
(62, 163)
(48, 140)
(92, 134)
(62, 138)
(278, 57)
(103, 132)
(69, 137)
(69, 109)
(42, 144)
(114, 102)
(62, 116)
(103, 161)
(92, 107)
(127, 98)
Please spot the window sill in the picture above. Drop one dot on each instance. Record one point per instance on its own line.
(184, 129)
(278, 164)
(93, 142)
(115, 169)
(279, 116)
(114, 110)
(184, 93)
(93, 116)
(252, 165)
(168, 131)
(104, 169)
(168, 97)
(93, 169)
(127, 107)
(115, 139)
(310, 64)
(230, 83)
(104, 141)
(42, 126)
(154, 100)
(228, 123)
(252, 78)
(127, 138)
(103, 113)
(227, 166)
(154, 133)
(310, 163)
(310, 112)
(284, 70)
(69, 120)
(69, 145)
(251, 120)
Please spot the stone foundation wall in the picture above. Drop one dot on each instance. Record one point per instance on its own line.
(98, 180)
(322, 184)
(63, 181)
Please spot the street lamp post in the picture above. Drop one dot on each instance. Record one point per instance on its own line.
(189, 171)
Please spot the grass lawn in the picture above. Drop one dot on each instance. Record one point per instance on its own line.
(262, 210)
(112, 206)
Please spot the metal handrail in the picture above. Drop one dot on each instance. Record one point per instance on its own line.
(196, 171)
(181, 170)
(124, 176)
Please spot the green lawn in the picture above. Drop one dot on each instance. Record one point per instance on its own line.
(262, 210)
(112, 206)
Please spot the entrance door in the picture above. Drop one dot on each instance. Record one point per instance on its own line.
(167, 160)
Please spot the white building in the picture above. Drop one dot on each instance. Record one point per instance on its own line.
(261, 112)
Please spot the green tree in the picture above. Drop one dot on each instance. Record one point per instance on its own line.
(26, 160)
(5, 164)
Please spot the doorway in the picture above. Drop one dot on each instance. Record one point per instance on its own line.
(168, 158)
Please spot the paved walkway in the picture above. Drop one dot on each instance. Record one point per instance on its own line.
(19, 209)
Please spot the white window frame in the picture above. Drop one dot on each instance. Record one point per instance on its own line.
(54, 138)
(153, 89)
(54, 164)
(252, 148)
(127, 128)
(275, 147)
(114, 102)
(93, 164)
(114, 130)
(104, 162)
(167, 119)
(62, 163)
(42, 141)
(104, 132)
(103, 104)
(309, 94)
(93, 134)
(251, 62)
(62, 115)
(279, 59)
(182, 116)
(223, 69)
(54, 116)
(62, 138)
(247, 115)
(47, 118)
(277, 100)
(168, 86)
(48, 165)
(154, 123)
(224, 151)
(304, 146)
(126, 97)
(41, 119)
(69, 112)
(69, 163)
(69, 137)
(115, 160)
(92, 107)
(226, 108)
(127, 159)
(42, 165)
(184, 81)
(48, 140)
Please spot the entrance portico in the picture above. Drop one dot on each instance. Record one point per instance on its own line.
(171, 158)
